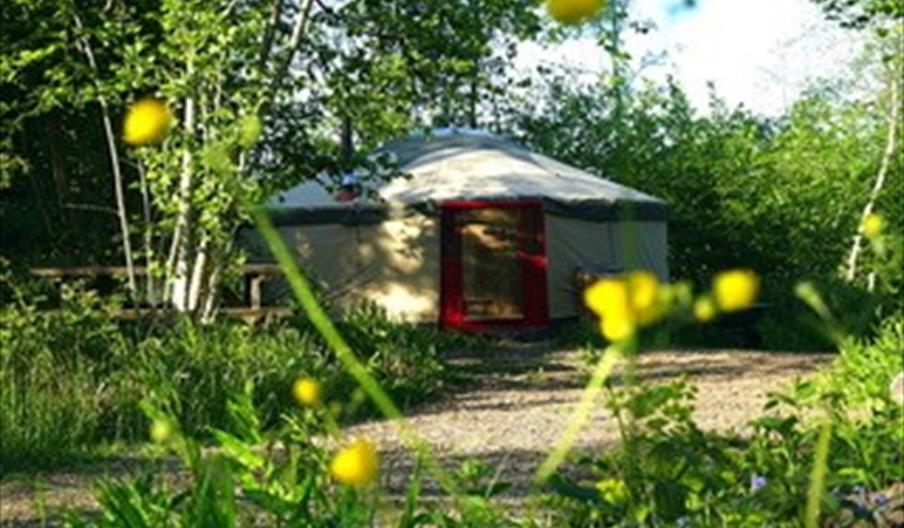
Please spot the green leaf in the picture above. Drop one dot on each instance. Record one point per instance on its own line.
(670, 499)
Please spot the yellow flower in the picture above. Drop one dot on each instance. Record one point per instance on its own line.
(643, 290)
(704, 309)
(624, 304)
(147, 121)
(161, 431)
(573, 11)
(357, 464)
(607, 296)
(609, 299)
(307, 391)
(873, 225)
(617, 327)
(736, 289)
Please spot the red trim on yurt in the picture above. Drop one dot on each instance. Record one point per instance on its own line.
(531, 253)
(452, 312)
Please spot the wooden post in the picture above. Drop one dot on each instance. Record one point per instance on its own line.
(255, 292)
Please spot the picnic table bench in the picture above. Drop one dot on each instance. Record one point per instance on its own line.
(254, 276)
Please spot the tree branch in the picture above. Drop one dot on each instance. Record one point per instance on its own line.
(269, 34)
(298, 32)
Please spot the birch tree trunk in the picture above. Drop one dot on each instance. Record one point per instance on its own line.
(211, 294)
(151, 281)
(198, 275)
(195, 261)
(182, 239)
(114, 163)
(893, 117)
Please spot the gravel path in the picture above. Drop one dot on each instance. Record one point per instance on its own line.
(512, 405)
(518, 401)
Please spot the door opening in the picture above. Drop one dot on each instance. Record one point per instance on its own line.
(493, 265)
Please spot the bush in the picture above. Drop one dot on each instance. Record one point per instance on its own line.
(72, 378)
(667, 471)
(865, 368)
(404, 355)
(789, 325)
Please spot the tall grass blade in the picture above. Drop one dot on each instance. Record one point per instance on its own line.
(818, 476)
(580, 415)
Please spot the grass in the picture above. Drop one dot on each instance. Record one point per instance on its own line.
(73, 379)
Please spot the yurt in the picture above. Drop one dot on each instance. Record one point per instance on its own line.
(477, 233)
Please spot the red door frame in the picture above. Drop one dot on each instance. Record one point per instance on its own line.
(533, 265)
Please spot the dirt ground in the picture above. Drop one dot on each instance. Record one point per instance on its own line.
(510, 407)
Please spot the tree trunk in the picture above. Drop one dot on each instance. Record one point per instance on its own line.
(114, 163)
(182, 238)
(150, 280)
(198, 275)
(211, 294)
(857, 246)
(347, 141)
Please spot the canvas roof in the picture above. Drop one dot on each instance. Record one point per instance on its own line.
(462, 164)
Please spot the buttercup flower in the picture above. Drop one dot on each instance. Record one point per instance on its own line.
(161, 431)
(357, 464)
(643, 290)
(147, 121)
(873, 225)
(704, 309)
(736, 289)
(573, 11)
(307, 391)
(617, 327)
(624, 304)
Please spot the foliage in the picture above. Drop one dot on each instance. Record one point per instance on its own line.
(107, 368)
(667, 470)
(862, 13)
(42, 357)
(279, 477)
(743, 191)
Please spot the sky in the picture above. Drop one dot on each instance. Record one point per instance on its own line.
(759, 53)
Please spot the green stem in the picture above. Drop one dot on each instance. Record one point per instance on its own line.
(581, 413)
(818, 476)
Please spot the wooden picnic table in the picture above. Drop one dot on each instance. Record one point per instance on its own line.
(254, 275)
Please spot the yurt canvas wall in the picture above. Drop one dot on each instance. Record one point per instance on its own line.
(397, 264)
(574, 243)
(394, 263)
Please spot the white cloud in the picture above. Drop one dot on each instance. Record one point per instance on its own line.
(757, 52)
